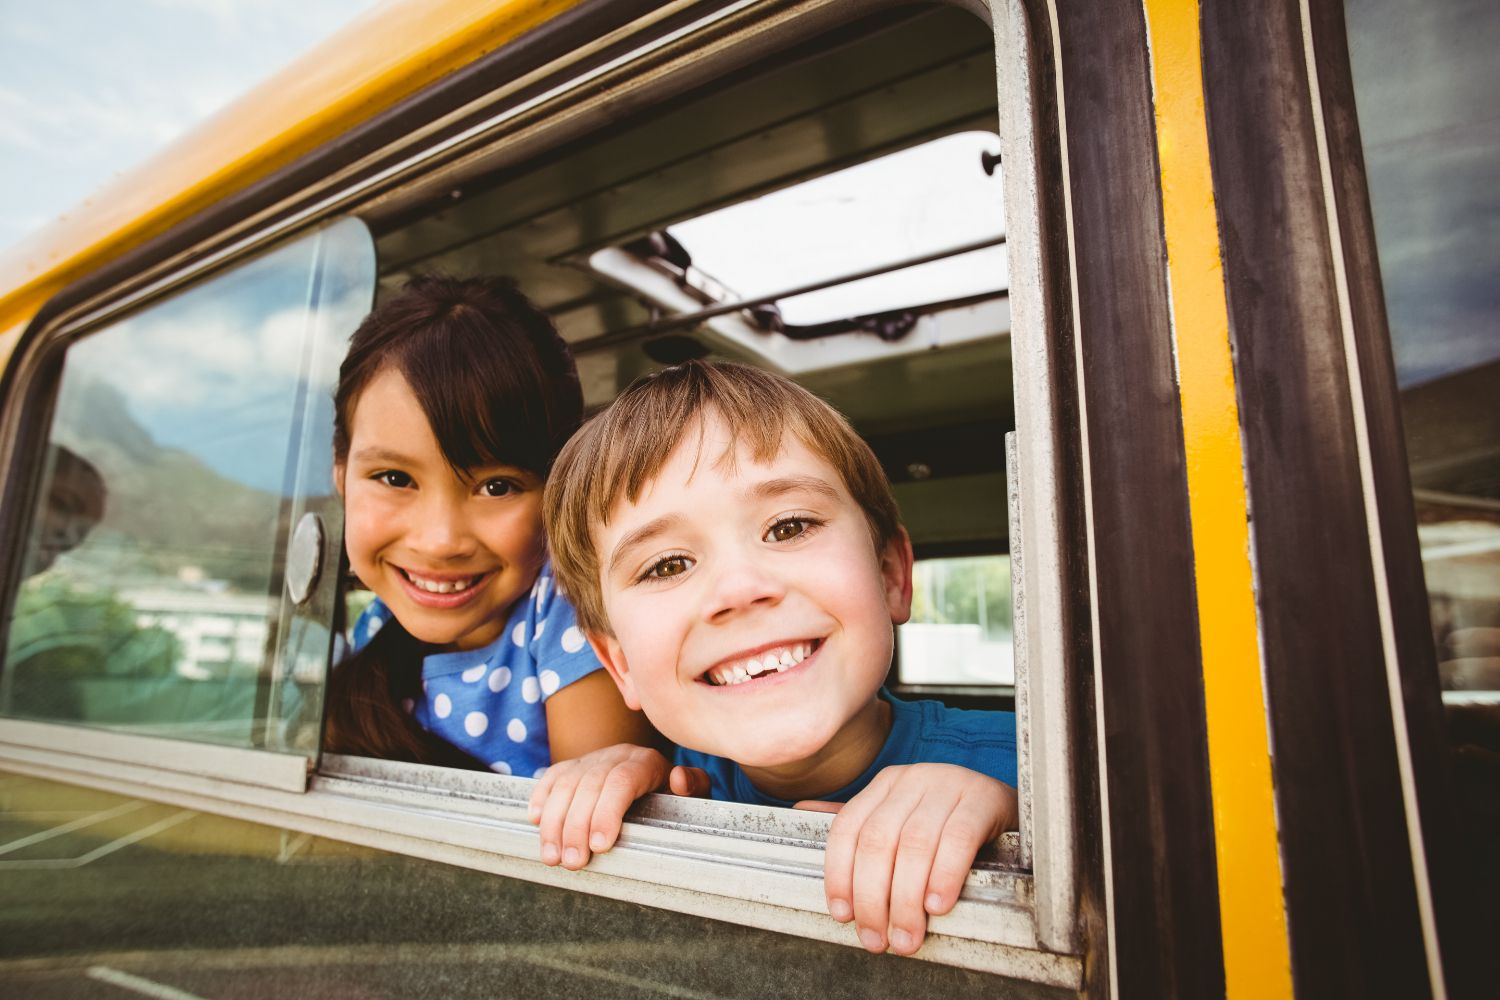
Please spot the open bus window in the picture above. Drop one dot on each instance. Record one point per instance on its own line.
(961, 631)
(177, 462)
(649, 242)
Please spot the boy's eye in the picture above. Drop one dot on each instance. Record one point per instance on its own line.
(669, 567)
(392, 478)
(498, 488)
(788, 528)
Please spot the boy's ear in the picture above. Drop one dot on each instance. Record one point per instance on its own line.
(607, 648)
(895, 571)
(338, 478)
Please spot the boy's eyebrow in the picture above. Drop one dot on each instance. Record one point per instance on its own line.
(772, 488)
(639, 535)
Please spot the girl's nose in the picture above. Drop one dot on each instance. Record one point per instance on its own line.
(741, 582)
(440, 531)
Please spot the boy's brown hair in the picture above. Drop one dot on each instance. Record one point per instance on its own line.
(623, 448)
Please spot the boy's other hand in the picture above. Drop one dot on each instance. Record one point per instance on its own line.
(689, 782)
(901, 849)
(579, 804)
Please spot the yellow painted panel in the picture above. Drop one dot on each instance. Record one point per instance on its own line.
(379, 59)
(1257, 957)
(9, 339)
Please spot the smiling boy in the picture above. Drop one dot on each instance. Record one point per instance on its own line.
(737, 561)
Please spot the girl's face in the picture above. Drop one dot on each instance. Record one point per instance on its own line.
(448, 555)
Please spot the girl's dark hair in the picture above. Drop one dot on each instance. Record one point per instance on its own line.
(492, 375)
(498, 387)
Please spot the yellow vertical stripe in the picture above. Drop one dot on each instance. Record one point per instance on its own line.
(1257, 957)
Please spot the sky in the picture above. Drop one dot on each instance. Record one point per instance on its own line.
(91, 88)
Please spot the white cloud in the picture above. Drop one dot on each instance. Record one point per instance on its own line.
(89, 89)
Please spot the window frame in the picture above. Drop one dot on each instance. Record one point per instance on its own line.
(1033, 933)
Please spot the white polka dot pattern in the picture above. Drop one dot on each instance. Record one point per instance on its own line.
(489, 702)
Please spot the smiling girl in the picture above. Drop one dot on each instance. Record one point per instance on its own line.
(451, 406)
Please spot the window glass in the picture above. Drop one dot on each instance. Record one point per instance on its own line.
(1425, 79)
(185, 439)
(960, 630)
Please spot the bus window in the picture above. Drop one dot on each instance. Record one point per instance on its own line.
(587, 196)
(835, 211)
(1431, 135)
(187, 439)
(961, 631)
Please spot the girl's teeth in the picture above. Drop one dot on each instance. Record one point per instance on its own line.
(441, 586)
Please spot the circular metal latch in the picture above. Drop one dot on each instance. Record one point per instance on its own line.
(304, 558)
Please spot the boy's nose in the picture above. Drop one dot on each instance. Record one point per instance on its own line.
(742, 583)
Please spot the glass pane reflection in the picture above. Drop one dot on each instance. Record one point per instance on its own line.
(152, 572)
(1425, 81)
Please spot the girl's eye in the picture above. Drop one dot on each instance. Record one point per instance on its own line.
(668, 567)
(392, 478)
(498, 488)
(788, 528)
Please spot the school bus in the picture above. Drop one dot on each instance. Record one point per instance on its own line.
(1173, 323)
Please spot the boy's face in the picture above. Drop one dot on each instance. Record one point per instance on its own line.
(752, 614)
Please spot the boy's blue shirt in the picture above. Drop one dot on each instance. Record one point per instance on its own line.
(491, 702)
(922, 732)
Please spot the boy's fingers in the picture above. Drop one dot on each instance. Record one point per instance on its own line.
(839, 850)
(624, 783)
(919, 843)
(814, 805)
(580, 817)
(539, 795)
(691, 782)
(875, 864)
(971, 825)
(554, 811)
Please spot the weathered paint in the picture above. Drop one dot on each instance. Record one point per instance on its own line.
(1257, 960)
(375, 62)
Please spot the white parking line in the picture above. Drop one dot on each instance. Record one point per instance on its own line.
(77, 824)
(101, 851)
(290, 845)
(620, 978)
(136, 984)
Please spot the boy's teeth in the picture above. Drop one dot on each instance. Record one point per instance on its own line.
(778, 660)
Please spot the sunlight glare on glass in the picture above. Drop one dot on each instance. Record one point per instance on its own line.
(918, 201)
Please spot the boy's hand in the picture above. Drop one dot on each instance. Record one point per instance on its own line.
(580, 804)
(901, 849)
